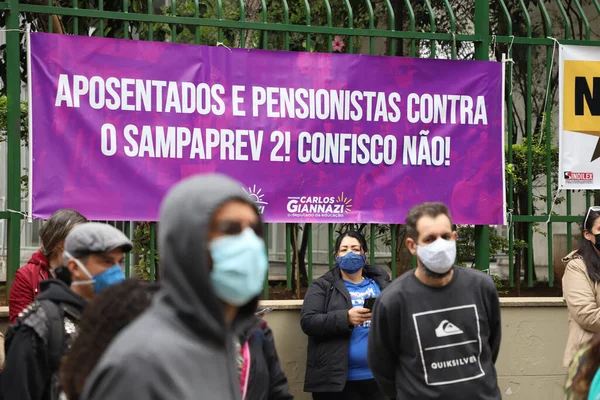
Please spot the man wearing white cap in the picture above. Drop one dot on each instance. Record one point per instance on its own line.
(93, 258)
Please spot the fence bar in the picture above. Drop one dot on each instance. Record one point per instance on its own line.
(350, 25)
(153, 252)
(50, 19)
(13, 157)
(330, 246)
(329, 24)
(174, 26)
(509, 156)
(412, 25)
(547, 128)
(101, 8)
(197, 29)
(371, 26)
(452, 27)
(482, 49)
(310, 252)
(288, 256)
(307, 7)
(588, 199)
(392, 22)
(547, 134)
(75, 20)
(125, 23)
(220, 17)
(128, 255)
(584, 18)
(265, 38)
(372, 244)
(393, 244)
(150, 23)
(266, 283)
(433, 43)
(242, 19)
(286, 20)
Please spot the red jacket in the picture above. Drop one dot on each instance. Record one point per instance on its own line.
(26, 285)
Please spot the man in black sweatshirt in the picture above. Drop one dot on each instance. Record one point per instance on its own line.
(435, 331)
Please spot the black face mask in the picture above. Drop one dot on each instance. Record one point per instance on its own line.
(62, 273)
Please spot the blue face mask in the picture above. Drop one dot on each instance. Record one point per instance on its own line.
(110, 277)
(101, 281)
(352, 262)
(239, 267)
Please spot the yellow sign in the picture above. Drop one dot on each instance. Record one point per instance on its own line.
(581, 97)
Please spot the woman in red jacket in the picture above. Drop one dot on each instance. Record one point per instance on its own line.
(26, 285)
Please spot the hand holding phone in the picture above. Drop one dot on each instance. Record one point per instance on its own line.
(263, 312)
(370, 303)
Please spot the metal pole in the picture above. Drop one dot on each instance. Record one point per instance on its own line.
(13, 94)
(482, 46)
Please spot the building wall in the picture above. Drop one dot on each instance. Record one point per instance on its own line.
(534, 333)
(530, 363)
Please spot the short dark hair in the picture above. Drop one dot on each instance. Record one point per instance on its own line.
(353, 234)
(424, 209)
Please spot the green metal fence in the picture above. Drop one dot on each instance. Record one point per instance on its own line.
(523, 30)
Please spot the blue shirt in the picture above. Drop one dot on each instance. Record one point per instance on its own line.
(358, 369)
(594, 393)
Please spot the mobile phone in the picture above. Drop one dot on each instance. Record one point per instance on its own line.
(369, 303)
(263, 311)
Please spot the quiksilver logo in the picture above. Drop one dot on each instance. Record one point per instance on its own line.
(453, 363)
(447, 328)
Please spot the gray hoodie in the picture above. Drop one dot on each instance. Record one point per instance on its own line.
(181, 348)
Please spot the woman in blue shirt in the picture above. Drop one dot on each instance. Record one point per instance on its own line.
(337, 324)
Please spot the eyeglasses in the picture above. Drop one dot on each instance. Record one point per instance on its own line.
(593, 208)
(236, 227)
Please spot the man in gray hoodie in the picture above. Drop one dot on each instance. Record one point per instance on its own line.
(213, 264)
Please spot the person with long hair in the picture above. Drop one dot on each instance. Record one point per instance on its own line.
(26, 284)
(337, 318)
(100, 323)
(581, 289)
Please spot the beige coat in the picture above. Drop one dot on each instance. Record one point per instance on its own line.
(583, 302)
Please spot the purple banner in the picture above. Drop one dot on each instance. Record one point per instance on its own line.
(313, 137)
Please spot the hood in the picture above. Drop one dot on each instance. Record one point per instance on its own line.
(571, 256)
(58, 291)
(38, 258)
(185, 215)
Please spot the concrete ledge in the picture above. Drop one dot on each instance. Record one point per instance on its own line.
(281, 304)
(504, 302)
(532, 302)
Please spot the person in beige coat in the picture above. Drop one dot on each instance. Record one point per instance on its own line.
(581, 286)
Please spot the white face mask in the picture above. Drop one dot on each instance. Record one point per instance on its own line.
(438, 256)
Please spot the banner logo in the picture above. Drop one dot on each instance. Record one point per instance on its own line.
(317, 206)
(579, 177)
(257, 197)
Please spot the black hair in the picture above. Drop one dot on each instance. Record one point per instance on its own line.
(353, 234)
(587, 251)
(103, 318)
(424, 209)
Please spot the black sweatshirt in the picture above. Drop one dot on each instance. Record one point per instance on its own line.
(440, 343)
